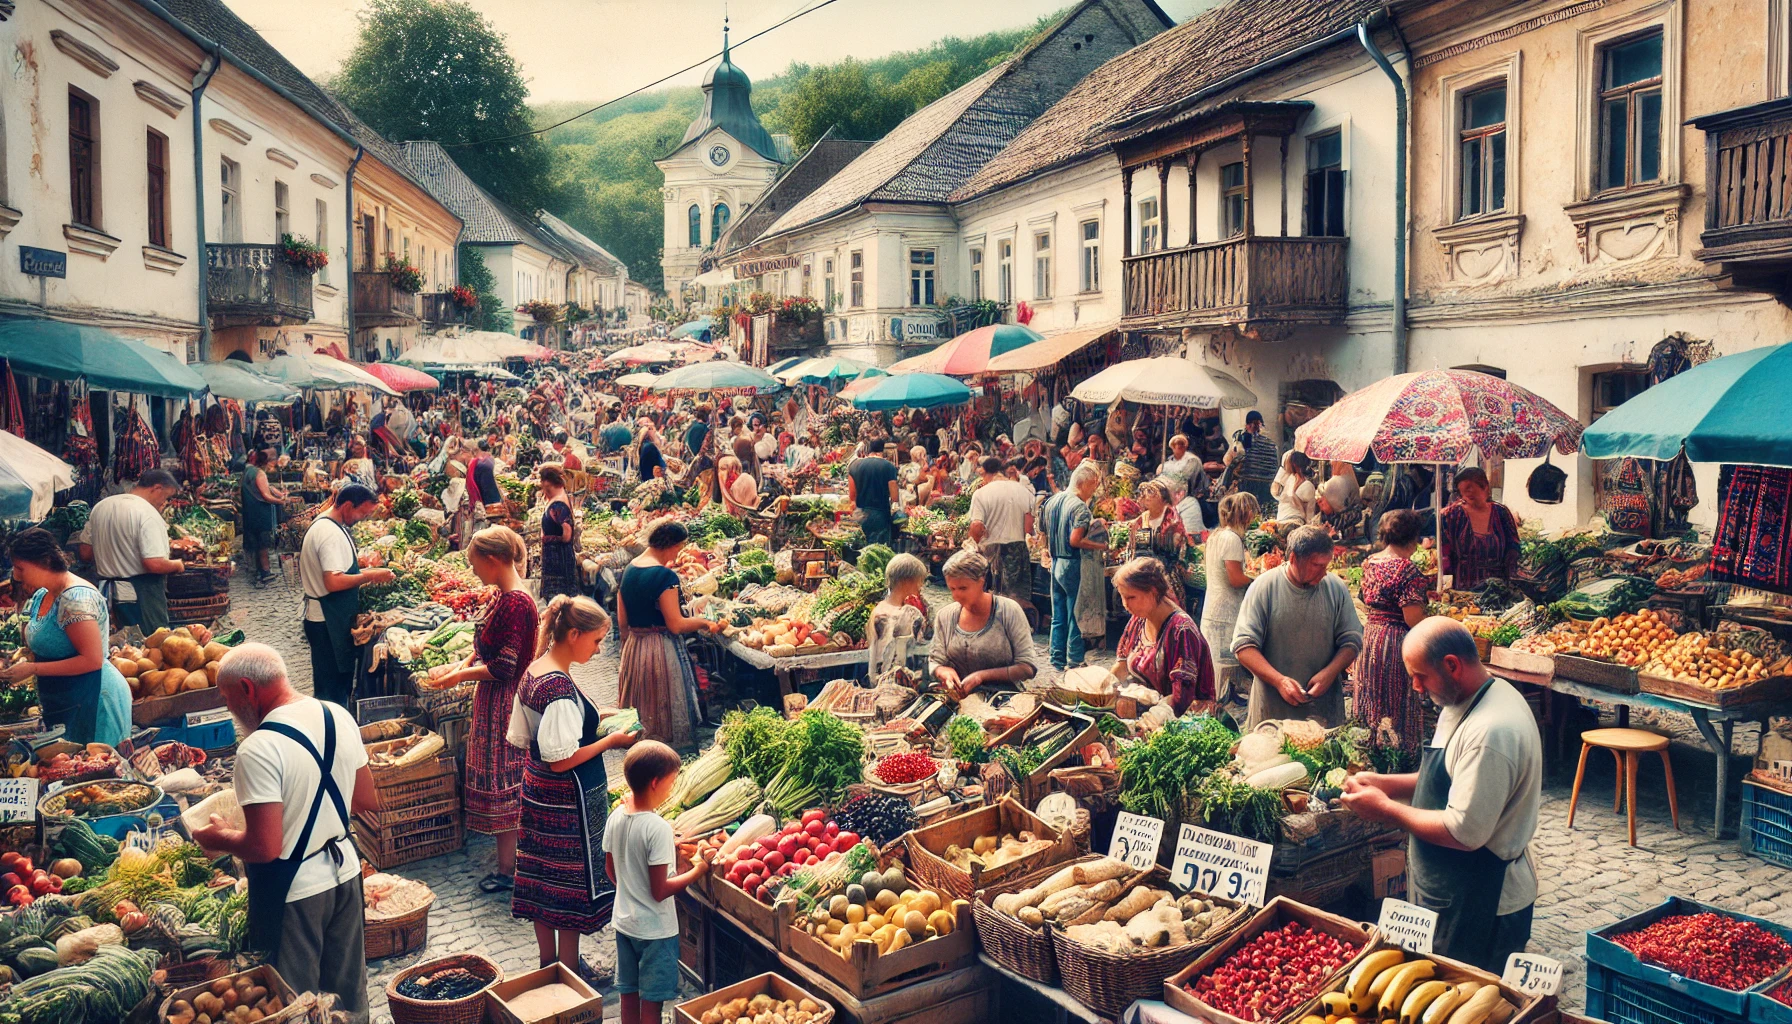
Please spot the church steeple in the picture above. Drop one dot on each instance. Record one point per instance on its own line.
(728, 105)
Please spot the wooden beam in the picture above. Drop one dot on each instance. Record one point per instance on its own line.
(1163, 204)
(1126, 213)
(1284, 186)
(1194, 162)
(1250, 193)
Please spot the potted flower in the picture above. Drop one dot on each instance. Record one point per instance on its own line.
(404, 274)
(464, 297)
(301, 252)
(540, 310)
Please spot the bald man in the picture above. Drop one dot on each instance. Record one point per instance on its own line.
(1471, 808)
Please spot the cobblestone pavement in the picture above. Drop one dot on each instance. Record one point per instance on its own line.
(1589, 876)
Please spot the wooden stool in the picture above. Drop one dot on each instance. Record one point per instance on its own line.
(1625, 745)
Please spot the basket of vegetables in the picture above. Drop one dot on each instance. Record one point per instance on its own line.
(446, 990)
(104, 798)
(1025, 949)
(965, 853)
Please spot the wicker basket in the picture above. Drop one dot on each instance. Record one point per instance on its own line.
(468, 1009)
(185, 611)
(193, 972)
(396, 936)
(1021, 948)
(925, 847)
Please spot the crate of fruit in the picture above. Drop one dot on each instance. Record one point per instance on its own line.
(964, 853)
(766, 993)
(1217, 987)
(1393, 984)
(1664, 948)
(910, 932)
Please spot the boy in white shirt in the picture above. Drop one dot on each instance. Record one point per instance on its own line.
(638, 853)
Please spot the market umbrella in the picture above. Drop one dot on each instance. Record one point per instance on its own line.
(506, 346)
(449, 351)
(234, 379)
(321, 373)
(701, 329)
(106, 361)
(781, 365)
(640, 379)
(718, 375)
(864, 382)
(634, 355)
(1438, 416)
(1727, 410)
(970, 352)
(822, 369)
(1165, 380)
(913, 391)
(402, 378)
(29, 478)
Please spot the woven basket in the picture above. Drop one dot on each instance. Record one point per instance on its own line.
(396, 936)
(468, 1009)
(193, 972)
(925, 847)
(1021, 948)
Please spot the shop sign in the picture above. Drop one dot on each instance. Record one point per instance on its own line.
(1136, 839)
(18, 800)
(1407, 925)
(1222, 865)
(42, 262)
(1532, 974)
(753, 268)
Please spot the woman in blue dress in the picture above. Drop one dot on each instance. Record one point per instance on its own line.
(67, 630)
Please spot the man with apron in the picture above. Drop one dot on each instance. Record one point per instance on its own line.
(1472, 806)
(331, 573)
(128, 542)
(300, 771)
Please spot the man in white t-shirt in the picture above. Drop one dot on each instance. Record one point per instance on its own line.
(305, 902)
(127, 539)
(330, 573)
(1001, 519)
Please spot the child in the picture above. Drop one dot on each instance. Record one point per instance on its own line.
(638, 855)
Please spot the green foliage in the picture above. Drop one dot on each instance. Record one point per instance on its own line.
(492, 314)
(1171, 761)
(844, 97)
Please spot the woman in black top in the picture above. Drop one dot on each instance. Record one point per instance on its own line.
(658, 680)
(651, 462)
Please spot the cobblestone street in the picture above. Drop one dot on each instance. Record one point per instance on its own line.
(1589, 877)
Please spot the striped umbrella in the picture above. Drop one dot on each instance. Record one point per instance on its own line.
(970, 352)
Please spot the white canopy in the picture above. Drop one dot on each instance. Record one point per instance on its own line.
(1165, 380)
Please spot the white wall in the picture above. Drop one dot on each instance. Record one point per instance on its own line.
(690, 178)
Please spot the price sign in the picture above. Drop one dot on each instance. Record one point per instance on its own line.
(1408, 925)
(1136, 839)
(1222, 865)
(18, 799)
(1783, 769)
(1532, 974)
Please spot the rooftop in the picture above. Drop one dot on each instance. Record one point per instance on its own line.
(794, 182)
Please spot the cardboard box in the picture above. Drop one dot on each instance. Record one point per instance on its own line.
(497, 998)
(1388, 872)
(769, 984)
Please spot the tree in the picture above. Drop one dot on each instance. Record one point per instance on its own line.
(436, 69)
(845, 97)
(492, 315)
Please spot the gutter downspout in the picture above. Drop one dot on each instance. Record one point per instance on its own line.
(201, 79)
(1400, 131)
(348, 274)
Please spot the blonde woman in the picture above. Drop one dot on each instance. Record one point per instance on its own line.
(1226, 556)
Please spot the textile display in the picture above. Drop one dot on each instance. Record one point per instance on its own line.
(1753, 542)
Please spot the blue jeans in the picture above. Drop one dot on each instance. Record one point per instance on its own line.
(1067, 639)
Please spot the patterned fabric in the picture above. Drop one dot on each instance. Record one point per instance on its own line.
(1473, 558)
(559, 567)
(504, 642)
(658, 681)
(553, 882)
(1753, 541)
(1383, 690)
(1439, 416)
(1177, 664)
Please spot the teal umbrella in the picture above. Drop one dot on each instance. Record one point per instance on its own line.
(718, 375)
(821, 369)
(234, 379)
(1727, 410)
(701, 329)
(777, 368)
(106, 361)
(913, 391)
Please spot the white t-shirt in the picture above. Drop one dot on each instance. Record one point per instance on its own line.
(638, 840)
(271, 768)
(1496, 784)
(124, 530)
(1298, 504)
(556, 731)
(326, 549)
(1002, 506)
(1340, 491)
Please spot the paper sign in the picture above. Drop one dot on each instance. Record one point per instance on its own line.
(1408, 925)
(1222, 865)
(196, 719)
(18, 799)
(1783, 769)
(1136, 839)
(1532, 974)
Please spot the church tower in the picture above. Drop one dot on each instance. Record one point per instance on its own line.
(725, 159)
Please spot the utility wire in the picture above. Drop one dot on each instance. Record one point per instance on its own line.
(641, 89)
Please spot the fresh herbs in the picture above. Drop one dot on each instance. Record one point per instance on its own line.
(757, 742)
(1020, 762)
(1232, 806)
(966, 740)
(1159, 770)
(825, 755)
(1504, 635)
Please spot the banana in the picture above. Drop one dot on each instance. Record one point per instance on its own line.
(1397, 990)
(1356, 990)
(1311, 1019)
(1380, 984)
(1419, 998)
(1476, 1008)
(1336, 1004)
(1440, 1009)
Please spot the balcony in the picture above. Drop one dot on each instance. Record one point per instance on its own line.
(1748, 205)
(251, 286)
(1248, 282)
(379, 304)
(440, 309)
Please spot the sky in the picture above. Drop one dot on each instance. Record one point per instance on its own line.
(598, 49)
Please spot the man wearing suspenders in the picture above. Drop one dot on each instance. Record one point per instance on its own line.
(300, 772)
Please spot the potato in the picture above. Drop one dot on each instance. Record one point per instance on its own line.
(172, 680)
(125, 667)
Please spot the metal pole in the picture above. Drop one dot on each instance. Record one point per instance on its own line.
(201, 80)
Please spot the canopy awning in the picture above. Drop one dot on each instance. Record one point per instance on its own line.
(30, 478)
(106, 361)
(1051, 349)
(235, 379)
(322, 373)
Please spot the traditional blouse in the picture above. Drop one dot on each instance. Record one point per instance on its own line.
(1473, 558)
(1177, 664)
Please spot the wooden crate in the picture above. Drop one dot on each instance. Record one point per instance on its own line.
(1606, 675)
(964, 996)
(1455, 972)
(151, 710)
(386, 851)
(925, 848)
(414, 792)
(750, 914)
(770, 984)
(1279, 912)
(1523, 661)
(693, 937)
(865, 973)
(1032, 789)
(265, 976)
(1773, 688)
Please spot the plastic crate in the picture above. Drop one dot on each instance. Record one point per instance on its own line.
(1764, 1010)
(208, 737)
(1766, 824)
(1676, 991)
(1621, 1000)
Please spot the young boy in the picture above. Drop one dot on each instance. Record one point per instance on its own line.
(638, 854)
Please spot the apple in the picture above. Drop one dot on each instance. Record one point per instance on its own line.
(814, 828)
(814, 816)
(775, 860)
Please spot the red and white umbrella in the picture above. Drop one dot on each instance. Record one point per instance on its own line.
(1438, 416)
(402, 378)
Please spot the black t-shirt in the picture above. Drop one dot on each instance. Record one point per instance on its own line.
(872, 475)
(694, 436)
(650, 459)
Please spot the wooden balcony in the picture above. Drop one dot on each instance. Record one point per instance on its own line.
(1748, 204)
(440, 309)
(1247, 282)
(379, 304)
(252, 286)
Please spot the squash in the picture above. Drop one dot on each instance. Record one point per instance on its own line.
(1278, 777)
(125, 667)
(196, 660)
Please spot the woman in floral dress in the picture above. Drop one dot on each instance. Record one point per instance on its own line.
(1394, 591)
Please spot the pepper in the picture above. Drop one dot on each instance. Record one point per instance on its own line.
(1712, 948)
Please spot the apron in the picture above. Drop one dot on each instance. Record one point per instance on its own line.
(152, 597)
(1463, 886)
(592, 784)
(341, 608)
(269, 883)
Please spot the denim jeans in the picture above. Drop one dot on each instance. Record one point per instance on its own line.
(1067, 639)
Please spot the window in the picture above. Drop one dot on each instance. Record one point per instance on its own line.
(717, 221)
(1482, 139)
(367, 241)
(1042, 265)
(977, 275)
(83, 159)
(1090, 281)
(1325, 184)
(1005, 272)
(695, 216)
(1630, 112)
(920, 277)
(827, 282)
(282, 217)
(157, 194)
(230, 209)
(388, 246)
(323, 238)
(1232, 196)
(1148, 225)
(809, 278)
(856, 266)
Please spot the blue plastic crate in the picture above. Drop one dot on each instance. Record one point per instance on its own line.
(1622, 1000)
(1763, 1010)
(1767, 824)
(1666, 985)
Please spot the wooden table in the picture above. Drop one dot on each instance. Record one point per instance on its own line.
(784, 668)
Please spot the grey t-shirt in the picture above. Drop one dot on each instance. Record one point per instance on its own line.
(1298, 629)
(1495, 761)
(1004, 640)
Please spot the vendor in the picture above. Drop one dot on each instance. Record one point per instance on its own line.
(981, 639)
(65, 631)
(1479, 540)
(872, 488)
(1162, 647)
(330, 573)
(1225, 557)
(1297, 500)
(559, 535)
(1471, 808)
(740, 495)
(1297, 631)
(358, 467)
(259, 516)
(658, 679)
(1158, 531)
(128, 545)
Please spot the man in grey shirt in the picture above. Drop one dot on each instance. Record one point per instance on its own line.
(1297, 632)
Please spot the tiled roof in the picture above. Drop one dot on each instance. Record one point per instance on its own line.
(591, 256)
(214, 20)
(1200, 53)
(488, 219)
(823, 160)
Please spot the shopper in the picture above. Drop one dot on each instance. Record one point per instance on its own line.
(638, 855)
(1161, 646)
(1297, 500)
(559, 535)
(1066, 522)
(260, 518)
(1001, 520)
(1158, 532)
(1225, 558)
(1254, 459)
(1297, 632)
(980, 639)
(1479, 540)
(1394, 591)
(330, 572)
(657, 677)
(128, 544)
(66, 629)
(872, 488)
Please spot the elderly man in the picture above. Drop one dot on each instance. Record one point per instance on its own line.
(300, 772)
(1066, 519)
(330, 572)
(1297, 632)
(1471, 808)
(127, 539)
(1001, 518)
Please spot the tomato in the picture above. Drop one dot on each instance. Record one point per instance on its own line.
(831, 830)
(40, 885)
(775, 860)
(11, 857)
(8, 880)
(814, 816)
(846, 840)
(815, 828)
(824, 849)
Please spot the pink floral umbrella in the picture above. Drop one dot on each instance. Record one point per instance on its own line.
(1438, 416)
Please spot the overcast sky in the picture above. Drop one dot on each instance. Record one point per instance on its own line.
(597, 49)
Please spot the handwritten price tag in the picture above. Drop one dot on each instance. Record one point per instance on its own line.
(1532, 974)
(1136, 839)
(18, 799)
(1222, 865)
(1408, 925)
